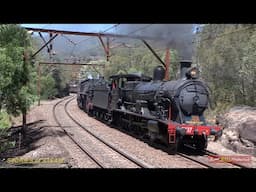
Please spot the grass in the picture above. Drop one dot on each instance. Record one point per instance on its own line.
(5, 124)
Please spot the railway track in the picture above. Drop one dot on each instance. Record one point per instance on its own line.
(196, 159)
(100, 163)
(71, 137)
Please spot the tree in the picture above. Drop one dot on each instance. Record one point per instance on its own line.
(15, 70)
(248, 70)
(226, 57)
(48, 86)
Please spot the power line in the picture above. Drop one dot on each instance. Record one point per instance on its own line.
(114, 26)
(123, 44)
(69, 40)
(76, 43)
(139, 29)
(72, 51)
(142, 28)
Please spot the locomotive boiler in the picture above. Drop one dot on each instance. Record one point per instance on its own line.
(168, 111)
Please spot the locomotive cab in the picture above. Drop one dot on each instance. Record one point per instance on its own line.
(122, 87)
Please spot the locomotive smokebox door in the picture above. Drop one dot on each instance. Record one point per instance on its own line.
(153, 126)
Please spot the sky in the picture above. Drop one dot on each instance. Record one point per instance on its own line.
(73, 27)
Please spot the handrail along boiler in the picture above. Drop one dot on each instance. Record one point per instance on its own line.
(167, 111)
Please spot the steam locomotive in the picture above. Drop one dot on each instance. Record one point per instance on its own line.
(168, 111)
(73, 86)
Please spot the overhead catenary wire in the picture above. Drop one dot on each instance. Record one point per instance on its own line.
(132, 32)
(114, 26)
(142, 28)
(76, 43)
(123, 44)
(69, 39)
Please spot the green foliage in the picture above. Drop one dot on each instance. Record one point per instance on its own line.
(6, 70)
(60, 82)
(247, 71)
(6, 145)
(53, 81)
(226, 56)
(4, 125)
(14, 35)
(48, 87)
(4, 121)
(15, 72)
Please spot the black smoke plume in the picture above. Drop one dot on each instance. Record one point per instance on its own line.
(176, 36)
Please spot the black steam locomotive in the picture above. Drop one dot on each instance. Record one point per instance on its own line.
(73, 86)
(167, 111)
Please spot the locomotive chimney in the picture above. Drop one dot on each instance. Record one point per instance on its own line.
(184, 65)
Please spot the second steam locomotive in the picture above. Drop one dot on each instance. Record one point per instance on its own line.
(168, 111)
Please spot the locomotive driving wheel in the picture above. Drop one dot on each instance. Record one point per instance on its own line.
(201, 144)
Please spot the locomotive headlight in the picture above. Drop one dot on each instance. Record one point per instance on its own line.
(193, 73)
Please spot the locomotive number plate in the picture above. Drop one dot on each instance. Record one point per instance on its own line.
(195, 118)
